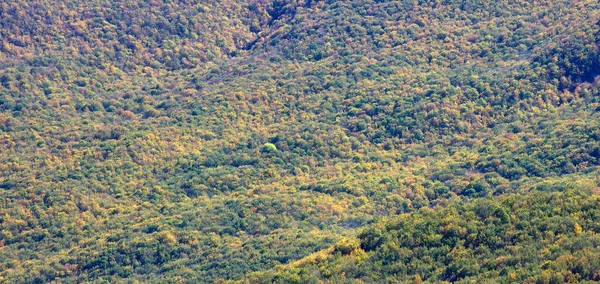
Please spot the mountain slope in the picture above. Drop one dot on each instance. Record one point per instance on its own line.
(534, 238)
(161, 141)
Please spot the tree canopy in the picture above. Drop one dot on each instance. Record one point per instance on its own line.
(299, 140)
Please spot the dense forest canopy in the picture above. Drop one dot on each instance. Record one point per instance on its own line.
(299, 141)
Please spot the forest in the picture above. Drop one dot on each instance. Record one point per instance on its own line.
(299, 141)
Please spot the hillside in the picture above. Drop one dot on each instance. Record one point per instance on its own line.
(224, 140)
(533, 238)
